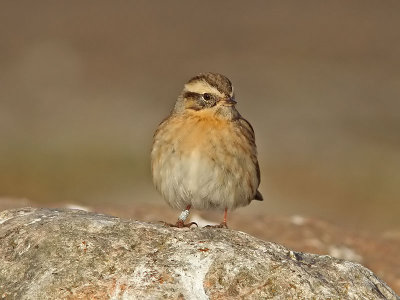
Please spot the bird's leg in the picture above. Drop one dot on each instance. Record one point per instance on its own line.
(182, 218)
(223, 224)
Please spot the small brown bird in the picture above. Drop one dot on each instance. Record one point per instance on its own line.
(204, 154)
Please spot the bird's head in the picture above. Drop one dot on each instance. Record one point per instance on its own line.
(207, 91)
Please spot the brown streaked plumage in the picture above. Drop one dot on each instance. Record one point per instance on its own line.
(204, 154)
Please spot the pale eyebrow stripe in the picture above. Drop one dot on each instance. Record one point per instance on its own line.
(201, 87)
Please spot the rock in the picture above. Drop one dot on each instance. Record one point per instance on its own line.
(73, 254)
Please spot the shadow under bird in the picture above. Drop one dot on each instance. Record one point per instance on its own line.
(204, 154)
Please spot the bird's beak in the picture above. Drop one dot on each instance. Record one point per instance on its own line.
(228, 101)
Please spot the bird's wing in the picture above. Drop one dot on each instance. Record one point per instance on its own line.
(249, 132)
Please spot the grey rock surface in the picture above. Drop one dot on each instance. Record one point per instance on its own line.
(72, 254)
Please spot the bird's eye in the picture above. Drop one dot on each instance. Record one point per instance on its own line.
(206, 96)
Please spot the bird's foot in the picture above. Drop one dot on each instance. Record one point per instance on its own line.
(222, 225)
(180, 224)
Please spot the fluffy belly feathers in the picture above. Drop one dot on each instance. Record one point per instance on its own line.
(205, 165)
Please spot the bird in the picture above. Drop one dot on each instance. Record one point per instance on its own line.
(204, 154)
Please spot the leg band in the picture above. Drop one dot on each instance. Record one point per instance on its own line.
(184, 215)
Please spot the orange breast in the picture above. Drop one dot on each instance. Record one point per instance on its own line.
(202, 131)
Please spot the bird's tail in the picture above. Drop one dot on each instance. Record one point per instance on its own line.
(258, 196)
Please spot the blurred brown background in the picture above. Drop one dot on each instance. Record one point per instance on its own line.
(83, 85)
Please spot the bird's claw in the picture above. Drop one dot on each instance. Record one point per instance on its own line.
(180, 224)
(222, 225)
